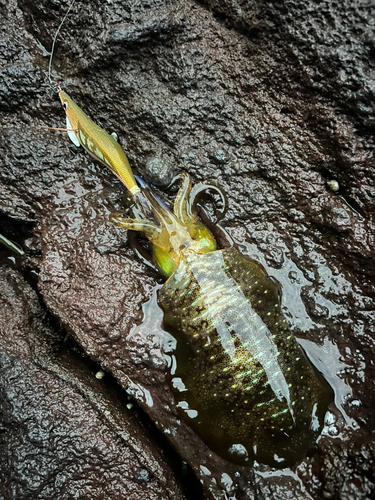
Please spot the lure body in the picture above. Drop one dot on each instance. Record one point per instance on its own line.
(240, 380)
(97, 142)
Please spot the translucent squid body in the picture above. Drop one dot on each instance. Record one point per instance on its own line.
(242, 381)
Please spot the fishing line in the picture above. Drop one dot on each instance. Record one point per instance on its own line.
(52, 84)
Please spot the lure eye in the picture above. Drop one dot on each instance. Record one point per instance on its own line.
(65, 105)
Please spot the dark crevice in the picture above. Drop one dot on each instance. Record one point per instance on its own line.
(234, 22)
(15, 230)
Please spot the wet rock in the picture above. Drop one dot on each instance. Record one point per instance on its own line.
(158, 172)
(315, 309)
(339, 219)
(285, 91)
(64, 434)
(151, 28)
(219, 156)
(274, 257)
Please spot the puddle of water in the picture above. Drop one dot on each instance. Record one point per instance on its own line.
(328, 360)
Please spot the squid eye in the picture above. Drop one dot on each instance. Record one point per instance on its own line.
(65, 105)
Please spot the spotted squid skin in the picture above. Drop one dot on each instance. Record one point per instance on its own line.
(242, 381)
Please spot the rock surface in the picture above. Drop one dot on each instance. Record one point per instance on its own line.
(272, 100)
(64, 434)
